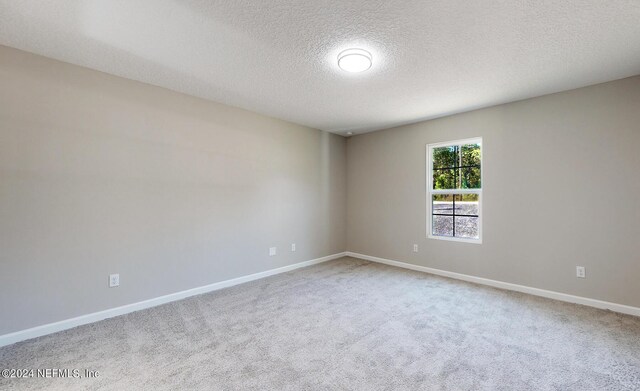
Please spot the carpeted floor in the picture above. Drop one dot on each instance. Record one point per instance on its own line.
(345, 325)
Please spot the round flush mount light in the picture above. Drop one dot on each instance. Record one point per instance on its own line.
(354, 60)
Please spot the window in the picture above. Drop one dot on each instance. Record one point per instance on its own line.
(454, 190)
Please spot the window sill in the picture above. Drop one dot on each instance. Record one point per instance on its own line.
(452, 239)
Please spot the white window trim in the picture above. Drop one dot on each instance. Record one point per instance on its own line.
(431, 191)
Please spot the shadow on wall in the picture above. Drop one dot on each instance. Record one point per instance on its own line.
(115, 28)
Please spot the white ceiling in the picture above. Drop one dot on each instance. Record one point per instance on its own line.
(431, 58)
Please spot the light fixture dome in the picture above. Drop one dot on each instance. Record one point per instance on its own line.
(354, 60)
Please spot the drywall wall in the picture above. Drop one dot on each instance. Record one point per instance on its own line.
(103, 175)
(561, 189)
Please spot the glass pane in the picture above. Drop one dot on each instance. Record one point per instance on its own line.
(457, 167)
(443, 225)
(470, 155)
(466, 227)
(443, 204)
(444, 179)
(445, 157)
(466, 204)
(455, 215)
(470, 178)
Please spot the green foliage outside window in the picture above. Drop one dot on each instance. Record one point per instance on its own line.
(457, 167)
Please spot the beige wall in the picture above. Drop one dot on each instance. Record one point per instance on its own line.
(103, 175)
(561, 188)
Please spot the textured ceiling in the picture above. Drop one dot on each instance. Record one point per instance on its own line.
(431, 58)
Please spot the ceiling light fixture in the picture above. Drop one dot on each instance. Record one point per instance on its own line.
(354, 60)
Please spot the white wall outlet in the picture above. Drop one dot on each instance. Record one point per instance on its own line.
(293, 247)
(114, 280)
(415, 248)
(580, 272)
(272, 251)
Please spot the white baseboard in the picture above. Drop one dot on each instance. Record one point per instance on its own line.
(625, 309)
(50, 328)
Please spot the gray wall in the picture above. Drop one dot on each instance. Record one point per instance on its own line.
(103, 175)
(561, 188)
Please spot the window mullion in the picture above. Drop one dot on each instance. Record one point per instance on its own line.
(453, 213)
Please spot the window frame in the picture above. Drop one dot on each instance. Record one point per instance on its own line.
(431, 191)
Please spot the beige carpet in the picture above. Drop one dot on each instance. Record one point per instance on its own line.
(345, 325)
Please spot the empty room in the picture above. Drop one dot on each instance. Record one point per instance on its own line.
(319, 195)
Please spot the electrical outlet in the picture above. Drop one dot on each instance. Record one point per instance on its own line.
(293, 247)
(114, 280)
(580, 272)
(415, 248)
(272, 251)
